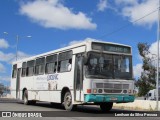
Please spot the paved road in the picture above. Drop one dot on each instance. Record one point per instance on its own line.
(82, 112)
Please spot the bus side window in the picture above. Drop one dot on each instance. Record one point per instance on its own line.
(30, 68)
(14, 71)
(24, 65)
(51, 64)
(65, 61)
(65, 65)
(39, 68)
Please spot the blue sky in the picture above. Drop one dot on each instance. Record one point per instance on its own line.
(57, 23)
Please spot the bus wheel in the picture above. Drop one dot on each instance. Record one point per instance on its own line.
(33, 102)
(68, 102)
(105, 107)
(25, 100)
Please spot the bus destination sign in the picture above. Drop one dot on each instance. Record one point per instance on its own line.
(111, 48)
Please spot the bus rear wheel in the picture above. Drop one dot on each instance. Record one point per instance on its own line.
(26, 101)
(105, 107)
(68, 102)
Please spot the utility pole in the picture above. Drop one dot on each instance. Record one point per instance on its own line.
(17, 40)
(158, 38)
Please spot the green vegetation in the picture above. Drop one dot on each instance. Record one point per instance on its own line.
(3, 89)
(147, 80)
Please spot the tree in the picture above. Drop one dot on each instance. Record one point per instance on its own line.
(147, 79)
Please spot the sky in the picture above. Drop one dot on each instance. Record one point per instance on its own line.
(54, 24)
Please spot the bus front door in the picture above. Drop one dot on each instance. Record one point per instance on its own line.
(18, 84)
(78, 78)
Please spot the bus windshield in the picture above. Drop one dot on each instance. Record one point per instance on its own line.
(103, 66)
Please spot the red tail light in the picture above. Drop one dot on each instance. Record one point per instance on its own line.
(88, 90)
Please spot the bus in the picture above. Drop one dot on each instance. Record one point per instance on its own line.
(87, 73)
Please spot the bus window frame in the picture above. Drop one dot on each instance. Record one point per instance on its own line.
(37, 65)
(27, 71)
(60, 60)
(55, 61)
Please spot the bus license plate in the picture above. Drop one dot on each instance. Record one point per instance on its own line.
(113, 99)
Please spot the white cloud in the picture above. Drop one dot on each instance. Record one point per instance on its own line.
(3, 43)
(126, 2)
(75, 42)
(71, 43)
(79, 41)
(137, 69)
(153, 53)
(6, 57)
(10, 57)
(2, 68)
(53, 14)
(22, 55)
(135, 9)
(153, 48)
(102, 5)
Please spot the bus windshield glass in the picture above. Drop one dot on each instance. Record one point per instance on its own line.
(103, 66)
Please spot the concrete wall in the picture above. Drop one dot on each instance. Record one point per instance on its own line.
(138, 105)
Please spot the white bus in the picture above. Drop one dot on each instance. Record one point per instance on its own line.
(90, 72)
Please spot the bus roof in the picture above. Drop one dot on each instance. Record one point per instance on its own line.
(67, 48)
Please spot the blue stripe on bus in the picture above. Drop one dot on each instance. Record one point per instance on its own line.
(109, 98)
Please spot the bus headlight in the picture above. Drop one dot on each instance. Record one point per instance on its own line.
(129, 91)
(94, 90)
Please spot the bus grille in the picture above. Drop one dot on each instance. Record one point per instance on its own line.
(112, 86)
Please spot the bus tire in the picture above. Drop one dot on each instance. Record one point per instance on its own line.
(68, 102)
(25, 100)
(105, 107)
(33, 102)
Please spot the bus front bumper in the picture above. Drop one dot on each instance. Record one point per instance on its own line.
(109, 98)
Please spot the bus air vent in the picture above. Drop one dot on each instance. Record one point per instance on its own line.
(112, 86)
